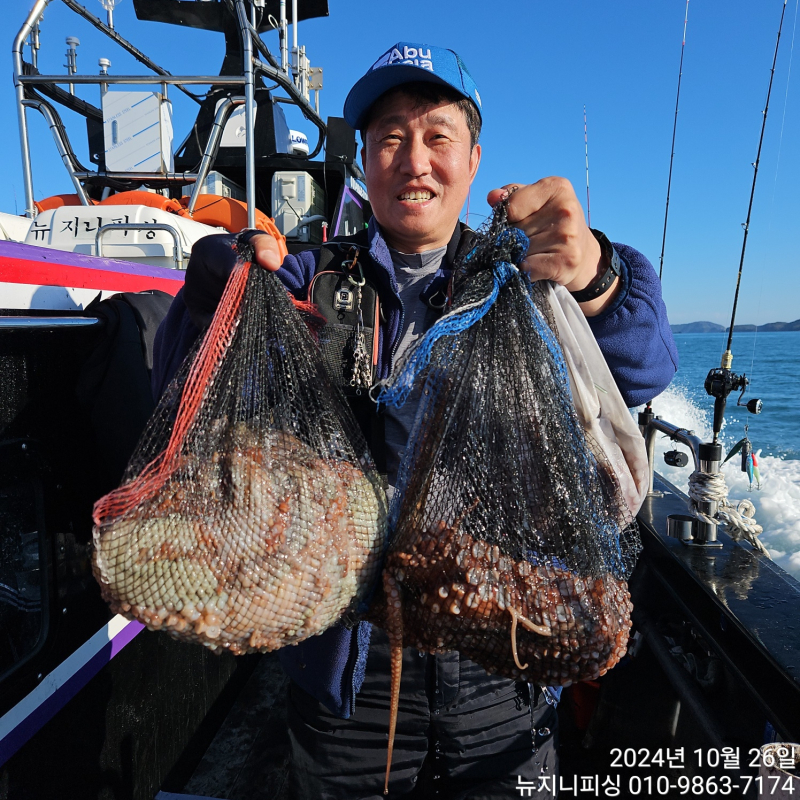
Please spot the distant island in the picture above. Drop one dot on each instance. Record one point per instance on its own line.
(713, 327)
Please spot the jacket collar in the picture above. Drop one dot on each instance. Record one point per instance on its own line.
(459, 242)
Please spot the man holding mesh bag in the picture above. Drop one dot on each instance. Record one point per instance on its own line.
(418, 111)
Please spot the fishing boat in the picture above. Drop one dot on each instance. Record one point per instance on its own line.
(713, 672)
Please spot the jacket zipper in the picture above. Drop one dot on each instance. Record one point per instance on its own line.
(399, 335)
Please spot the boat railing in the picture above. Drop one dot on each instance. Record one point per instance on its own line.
(62, 145)
(47, 323)
(177, 253)
(295, 80)
(212, 146)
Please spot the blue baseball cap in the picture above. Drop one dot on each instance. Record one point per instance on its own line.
(407, 62)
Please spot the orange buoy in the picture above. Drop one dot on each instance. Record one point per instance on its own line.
(225, 212)
(142, 198)
(59, 200)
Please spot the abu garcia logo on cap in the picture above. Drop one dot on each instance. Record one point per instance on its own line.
(416, 56)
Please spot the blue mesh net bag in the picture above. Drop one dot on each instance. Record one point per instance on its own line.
(512, 540)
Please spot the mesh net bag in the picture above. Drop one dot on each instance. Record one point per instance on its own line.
(511, 537)
(251, 515)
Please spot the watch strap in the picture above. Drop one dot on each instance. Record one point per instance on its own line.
(602, 283)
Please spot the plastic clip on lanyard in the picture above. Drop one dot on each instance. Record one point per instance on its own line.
(362, 373)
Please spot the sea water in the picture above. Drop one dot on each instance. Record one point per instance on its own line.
(771, 361)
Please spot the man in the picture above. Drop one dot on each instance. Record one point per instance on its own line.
(460, 732)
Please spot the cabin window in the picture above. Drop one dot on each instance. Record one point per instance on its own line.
(348, 217)
(22, 579)
(47, 451)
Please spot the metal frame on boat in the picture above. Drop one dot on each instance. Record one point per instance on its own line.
(253, 67)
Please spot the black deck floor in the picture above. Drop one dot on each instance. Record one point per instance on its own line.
(248, 758)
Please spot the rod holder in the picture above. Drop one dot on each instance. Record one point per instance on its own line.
(681, 527)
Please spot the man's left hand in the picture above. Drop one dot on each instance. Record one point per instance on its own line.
(562, 248)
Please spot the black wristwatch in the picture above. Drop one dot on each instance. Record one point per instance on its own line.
(601, 284)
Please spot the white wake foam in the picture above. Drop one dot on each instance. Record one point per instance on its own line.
(778, 501)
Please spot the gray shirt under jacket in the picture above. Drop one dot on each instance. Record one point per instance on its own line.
(414, 272)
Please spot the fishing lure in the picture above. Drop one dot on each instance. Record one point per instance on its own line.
(751, 468)
(749, 459)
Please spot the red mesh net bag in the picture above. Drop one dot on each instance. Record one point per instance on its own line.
(251, 515)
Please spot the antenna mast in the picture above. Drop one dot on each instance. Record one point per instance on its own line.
(586, 147)
(721, 382)
(674, 130)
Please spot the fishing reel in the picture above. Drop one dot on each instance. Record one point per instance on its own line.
(676, 458)
(720, 382)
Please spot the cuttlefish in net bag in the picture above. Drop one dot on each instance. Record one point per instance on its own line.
(512, 525)
(251, 515)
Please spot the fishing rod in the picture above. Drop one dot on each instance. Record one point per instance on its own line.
(721, 381)
(707, 490)
(674, 130)
(647, 415)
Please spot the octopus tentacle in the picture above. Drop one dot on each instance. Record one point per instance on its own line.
(542, 630)
(394, 630)
(514, 617)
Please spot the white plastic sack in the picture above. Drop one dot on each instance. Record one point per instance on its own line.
(598, 401)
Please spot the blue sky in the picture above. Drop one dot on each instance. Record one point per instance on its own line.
(536, 63)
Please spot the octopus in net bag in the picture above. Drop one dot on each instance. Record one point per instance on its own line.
(251, 549)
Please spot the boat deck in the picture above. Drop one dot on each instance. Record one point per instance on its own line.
(248, 759)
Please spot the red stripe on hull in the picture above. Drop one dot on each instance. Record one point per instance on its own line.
(36, 273)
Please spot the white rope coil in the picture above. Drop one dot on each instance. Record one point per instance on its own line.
(738, 520)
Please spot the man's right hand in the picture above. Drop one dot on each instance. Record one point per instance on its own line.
(267, 253)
